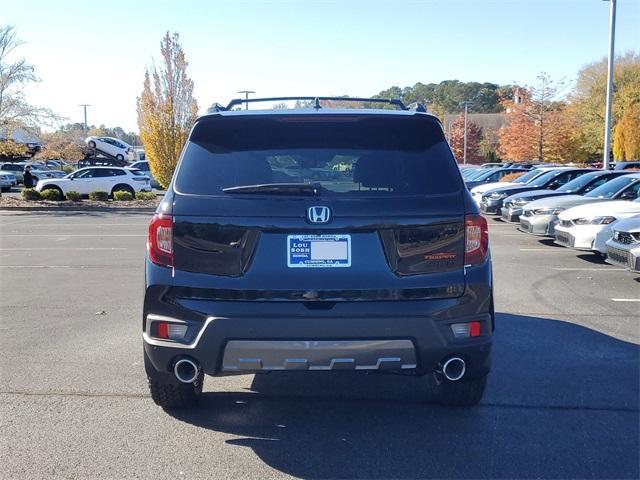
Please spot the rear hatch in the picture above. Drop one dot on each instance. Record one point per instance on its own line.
(319, 206)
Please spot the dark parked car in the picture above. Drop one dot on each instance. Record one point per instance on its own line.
(492, 200)
(492, 175)
(627, 166)
(317, 240)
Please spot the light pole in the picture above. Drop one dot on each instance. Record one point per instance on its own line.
(464, 148)
(84, 106)
(607, 121)
(246, 97)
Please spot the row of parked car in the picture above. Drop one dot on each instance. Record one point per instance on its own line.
(580, 208)
(133, 178)
(11, 172)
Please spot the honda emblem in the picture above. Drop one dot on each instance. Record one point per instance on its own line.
(319, 214)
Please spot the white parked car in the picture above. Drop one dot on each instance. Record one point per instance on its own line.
(143, 166)
(579, 227)
(477, 192)
(93, 179)
(111, 146)
(623, 248)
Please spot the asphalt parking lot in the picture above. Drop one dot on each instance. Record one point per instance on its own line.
(562, 400)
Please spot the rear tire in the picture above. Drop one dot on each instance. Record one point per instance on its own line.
(169, 393)
(120, 157)
(463, 393)
(92, 144)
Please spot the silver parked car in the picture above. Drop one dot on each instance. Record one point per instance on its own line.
(540, 216)
(7, 180)
(623, 248)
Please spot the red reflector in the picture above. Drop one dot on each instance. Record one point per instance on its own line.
(474, 329)
(162, 330)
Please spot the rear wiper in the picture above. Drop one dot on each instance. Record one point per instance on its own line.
(278, 189)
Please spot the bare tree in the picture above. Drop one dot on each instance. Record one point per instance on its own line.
(542, 105)
(15, 75)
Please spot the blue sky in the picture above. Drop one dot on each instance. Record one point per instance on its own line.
(97, 53)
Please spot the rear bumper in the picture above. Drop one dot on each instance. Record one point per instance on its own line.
(247, 345)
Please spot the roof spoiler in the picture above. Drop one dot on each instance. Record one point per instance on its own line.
(216, 107)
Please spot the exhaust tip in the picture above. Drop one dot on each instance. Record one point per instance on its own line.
(454, 369)
(186, 370)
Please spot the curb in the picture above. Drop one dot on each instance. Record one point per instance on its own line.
(79, 209)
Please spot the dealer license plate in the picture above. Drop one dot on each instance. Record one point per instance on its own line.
(318, 251)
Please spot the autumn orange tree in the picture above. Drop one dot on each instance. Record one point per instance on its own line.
(166, 109)
(517, 139)
(474, 138)
(539, 127)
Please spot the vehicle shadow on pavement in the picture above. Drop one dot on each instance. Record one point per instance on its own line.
(562, 402)
(593, 258)
(549, 242)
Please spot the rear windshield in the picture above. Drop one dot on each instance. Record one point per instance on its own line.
(346, 155)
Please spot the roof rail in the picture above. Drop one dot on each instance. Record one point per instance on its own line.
(240, 101)
(418, 107)
(216, 107)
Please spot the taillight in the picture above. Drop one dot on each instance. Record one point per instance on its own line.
(160, 241)
(476, 239)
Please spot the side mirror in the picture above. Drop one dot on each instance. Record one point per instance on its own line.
(628, 195)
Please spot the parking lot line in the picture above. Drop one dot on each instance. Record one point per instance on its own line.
(69, 236)
(53, 266)
(547, 249)
(589, 269)
(63, 248)
(626, 299)
(84, 225)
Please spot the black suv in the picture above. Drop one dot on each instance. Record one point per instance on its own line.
(317, 239)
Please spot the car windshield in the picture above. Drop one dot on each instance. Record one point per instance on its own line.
(485, 175)
(475, 175)
(527, 177)
(469, 172)
(609, 189)
(543, 179)
(346, 156)
(577, 183)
